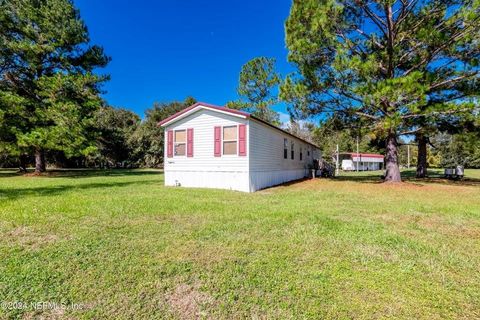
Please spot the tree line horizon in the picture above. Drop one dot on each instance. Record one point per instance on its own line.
(380, 70)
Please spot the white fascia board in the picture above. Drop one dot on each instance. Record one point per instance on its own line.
(189, 112)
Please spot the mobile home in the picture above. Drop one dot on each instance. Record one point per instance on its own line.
(209, 146)
(351, 161)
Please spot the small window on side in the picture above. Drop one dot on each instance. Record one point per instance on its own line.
(180, 138)
(301, 154)
(285, 148)
(230, 140)
(292, 151)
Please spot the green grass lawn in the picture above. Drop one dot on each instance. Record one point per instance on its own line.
(118, 244)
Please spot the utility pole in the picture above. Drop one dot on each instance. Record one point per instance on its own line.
(358, 155)
(336, 165)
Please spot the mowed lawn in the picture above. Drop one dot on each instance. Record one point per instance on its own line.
(118, 244)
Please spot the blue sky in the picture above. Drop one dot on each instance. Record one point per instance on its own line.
(167, 50)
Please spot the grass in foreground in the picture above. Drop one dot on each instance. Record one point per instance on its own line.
(119, 244)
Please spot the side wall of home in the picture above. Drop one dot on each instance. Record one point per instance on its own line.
(268, 166)
(204, 169)
(349, 165)
(364, 163)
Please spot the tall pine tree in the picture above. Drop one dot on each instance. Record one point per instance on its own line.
(397, 64)
(47, 79)
(257, 81)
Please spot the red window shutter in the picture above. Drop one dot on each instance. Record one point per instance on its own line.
(189, 142)
(170, 143)
(217, 141)
(242, 140)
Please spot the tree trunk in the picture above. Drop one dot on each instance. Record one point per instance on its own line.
(39, 161)
(391, 160)
(23, 163)
(422, 156)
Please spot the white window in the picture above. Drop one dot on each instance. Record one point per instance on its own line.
(285, 148)
(180, 142)
(230, 140)
(292, 151)
(301, 153)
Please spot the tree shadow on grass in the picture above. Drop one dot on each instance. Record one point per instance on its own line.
(8, 173)
(82, 173)
(409, 176)
(86, 173)
(367, 178)
(444, 181)
(16, 193)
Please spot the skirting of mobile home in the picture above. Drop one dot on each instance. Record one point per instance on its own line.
(208, 146)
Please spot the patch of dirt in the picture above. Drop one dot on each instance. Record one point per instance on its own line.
(207, 256)
(465, 229)
(35, 174)
(188, 301)
(366, 251)
(408, 185)
(49, 314)
(29, 238)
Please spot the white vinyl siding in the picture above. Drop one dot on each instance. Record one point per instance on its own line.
(268, 165)
(264, 165)
(204, 169)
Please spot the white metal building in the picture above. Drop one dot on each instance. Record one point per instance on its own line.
(364, 161)
(209, 146)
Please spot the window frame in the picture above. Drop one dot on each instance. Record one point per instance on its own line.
(292, 151)
(175, 143)
(230, 140)
(301, 153)
(285, 148)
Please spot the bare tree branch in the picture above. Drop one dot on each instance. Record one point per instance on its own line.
(453, 80)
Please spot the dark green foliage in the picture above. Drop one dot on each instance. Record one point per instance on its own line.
(114, 128)
(148, 140)
(334, 130)
(48, 91)
(257, 80)
(459, 149)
